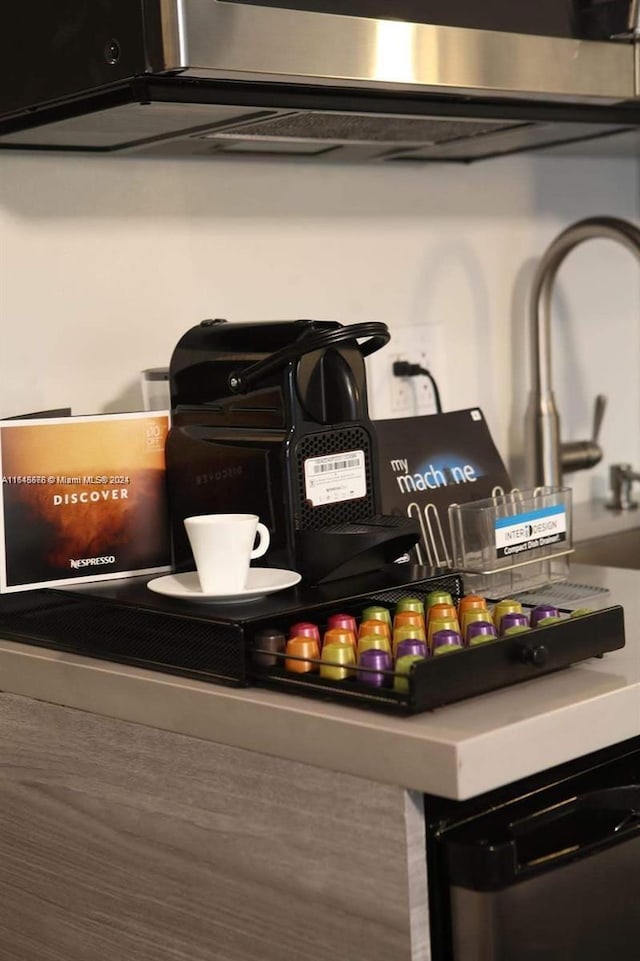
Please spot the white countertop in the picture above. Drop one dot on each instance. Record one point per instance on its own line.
(457, 751)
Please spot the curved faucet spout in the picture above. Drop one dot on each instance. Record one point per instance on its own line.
(546, 451)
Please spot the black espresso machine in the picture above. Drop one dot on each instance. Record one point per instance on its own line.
(271, 418)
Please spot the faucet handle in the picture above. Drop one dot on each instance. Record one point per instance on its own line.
(583, 454)
(599, 409)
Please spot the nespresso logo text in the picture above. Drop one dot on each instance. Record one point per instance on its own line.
(91, 561)
(90, 497)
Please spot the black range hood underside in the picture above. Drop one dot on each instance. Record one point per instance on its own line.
(181, 117)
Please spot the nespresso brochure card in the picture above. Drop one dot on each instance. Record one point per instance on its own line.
(428, 463)
(83, 499)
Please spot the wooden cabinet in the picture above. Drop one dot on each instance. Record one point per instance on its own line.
(120, 842)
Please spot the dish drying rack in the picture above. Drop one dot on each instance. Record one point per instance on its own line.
(512, 542)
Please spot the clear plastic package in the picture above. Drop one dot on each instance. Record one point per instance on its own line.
(513, 542)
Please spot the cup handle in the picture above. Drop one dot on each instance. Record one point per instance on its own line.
(263, 543)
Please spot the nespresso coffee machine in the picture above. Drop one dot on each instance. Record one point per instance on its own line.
(271, 418)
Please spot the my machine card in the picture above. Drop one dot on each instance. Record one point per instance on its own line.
(428, 463)
(82, 499)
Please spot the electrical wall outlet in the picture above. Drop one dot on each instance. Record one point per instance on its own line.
(391, 396)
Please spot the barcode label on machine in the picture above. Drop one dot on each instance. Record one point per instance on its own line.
(335, 477)
(338, 465)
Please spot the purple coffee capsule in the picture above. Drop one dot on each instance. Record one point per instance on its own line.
(374, 663)
(513, 620)
(411, 645)
(445, 640)
(479, 632)
(543, 610)
(487, 623)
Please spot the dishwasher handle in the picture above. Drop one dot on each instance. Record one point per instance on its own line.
(499, 853)
(576, 827)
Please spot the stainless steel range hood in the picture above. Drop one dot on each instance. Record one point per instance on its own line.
(210, 78)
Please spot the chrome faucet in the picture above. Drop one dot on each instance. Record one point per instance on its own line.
(548, 457)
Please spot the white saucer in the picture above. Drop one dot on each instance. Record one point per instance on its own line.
(261, 581)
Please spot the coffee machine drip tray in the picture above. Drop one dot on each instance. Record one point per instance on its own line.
(345, 550)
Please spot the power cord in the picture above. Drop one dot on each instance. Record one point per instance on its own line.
(402, 368)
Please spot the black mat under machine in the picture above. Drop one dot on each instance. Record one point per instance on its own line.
(271, 418)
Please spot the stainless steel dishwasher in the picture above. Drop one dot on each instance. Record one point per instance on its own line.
(545, 870)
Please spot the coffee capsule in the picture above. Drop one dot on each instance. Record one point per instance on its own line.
(267, 645)
(441, 611)
(375, 642)
(441, 624)
(345, 622)
(445, 641)
(305, 629)
(376, 613)
(541, 611)
(506, 606)
(408, 619)
(408, 632)
(373, 626)
(374, 667)
(411, 646)
(297, 650)
(404, 666)
(473, 616)
(471, 602)
(513, 619)
(340, 635)
(338, 662)
(410, 604)
(437, 597)
(479, 632)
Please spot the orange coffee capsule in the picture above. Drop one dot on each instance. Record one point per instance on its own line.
(471, 602)
(298, 649)
(442, 610)
(408, 619)
(339, 635)
(374, 627)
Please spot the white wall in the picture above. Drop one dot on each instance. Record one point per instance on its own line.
(104, 263)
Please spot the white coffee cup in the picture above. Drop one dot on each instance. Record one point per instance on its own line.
(222, 546)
